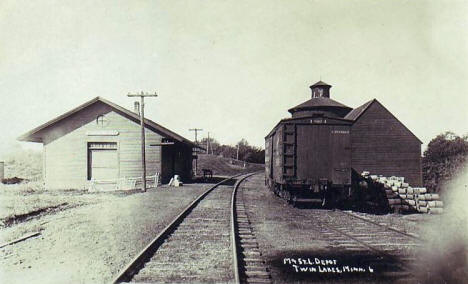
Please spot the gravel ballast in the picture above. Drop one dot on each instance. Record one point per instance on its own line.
(285, 233)
(199, 250)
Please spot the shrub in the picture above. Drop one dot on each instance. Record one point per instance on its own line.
(444, 157)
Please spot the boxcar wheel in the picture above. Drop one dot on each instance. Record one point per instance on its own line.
(329, 199)
(275, 188)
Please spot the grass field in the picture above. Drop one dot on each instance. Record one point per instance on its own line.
(26, 164)
(19, 202)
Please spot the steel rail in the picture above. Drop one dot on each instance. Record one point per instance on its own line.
(382, 226)
(127, 273)
(234, 236)
(364, 243)
(370, 247)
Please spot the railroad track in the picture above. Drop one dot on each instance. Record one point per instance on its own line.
(249, 266)
(410, 235)
(350, 239)
(192, 247)
(391, 240)
(351, 233)
(195, 246)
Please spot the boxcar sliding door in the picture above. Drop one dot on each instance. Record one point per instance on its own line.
(313, 158)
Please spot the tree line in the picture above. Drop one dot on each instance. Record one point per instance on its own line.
(241, 151)
(445, 157)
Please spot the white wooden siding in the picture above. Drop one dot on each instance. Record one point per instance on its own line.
(66, 147)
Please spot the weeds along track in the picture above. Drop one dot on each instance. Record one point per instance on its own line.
(249, 266)
(195, 247)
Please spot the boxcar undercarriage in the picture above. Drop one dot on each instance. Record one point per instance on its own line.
(323, 193)
(360, 195)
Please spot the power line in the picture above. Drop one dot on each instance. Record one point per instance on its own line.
(196, 142)
(142, 96)
(196, 132)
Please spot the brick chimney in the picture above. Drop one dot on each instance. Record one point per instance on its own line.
(136, 107)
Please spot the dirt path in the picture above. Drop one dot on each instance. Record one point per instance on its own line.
(90, 244)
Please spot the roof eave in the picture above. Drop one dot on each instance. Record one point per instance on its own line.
(295, 109)
(26, 138)
(305, 117)
(369, 103)
(29, 136)
(375, 100)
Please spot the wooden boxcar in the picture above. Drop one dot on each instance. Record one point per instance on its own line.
(313, 154)
(309, 158)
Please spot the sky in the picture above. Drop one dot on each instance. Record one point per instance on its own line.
(233, 68)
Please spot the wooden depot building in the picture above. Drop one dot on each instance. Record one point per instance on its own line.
(100, 140)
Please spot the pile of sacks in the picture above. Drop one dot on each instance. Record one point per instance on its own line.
(402, 197)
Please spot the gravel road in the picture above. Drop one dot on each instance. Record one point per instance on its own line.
(90, 244)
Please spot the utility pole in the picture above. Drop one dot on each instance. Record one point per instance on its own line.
(196, 142)
(208, 144)
(237, 156)
(196, 132)
(142, 96)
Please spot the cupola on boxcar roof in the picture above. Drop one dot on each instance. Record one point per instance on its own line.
(320, 103)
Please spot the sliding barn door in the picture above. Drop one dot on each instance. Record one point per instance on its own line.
(103, 161)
